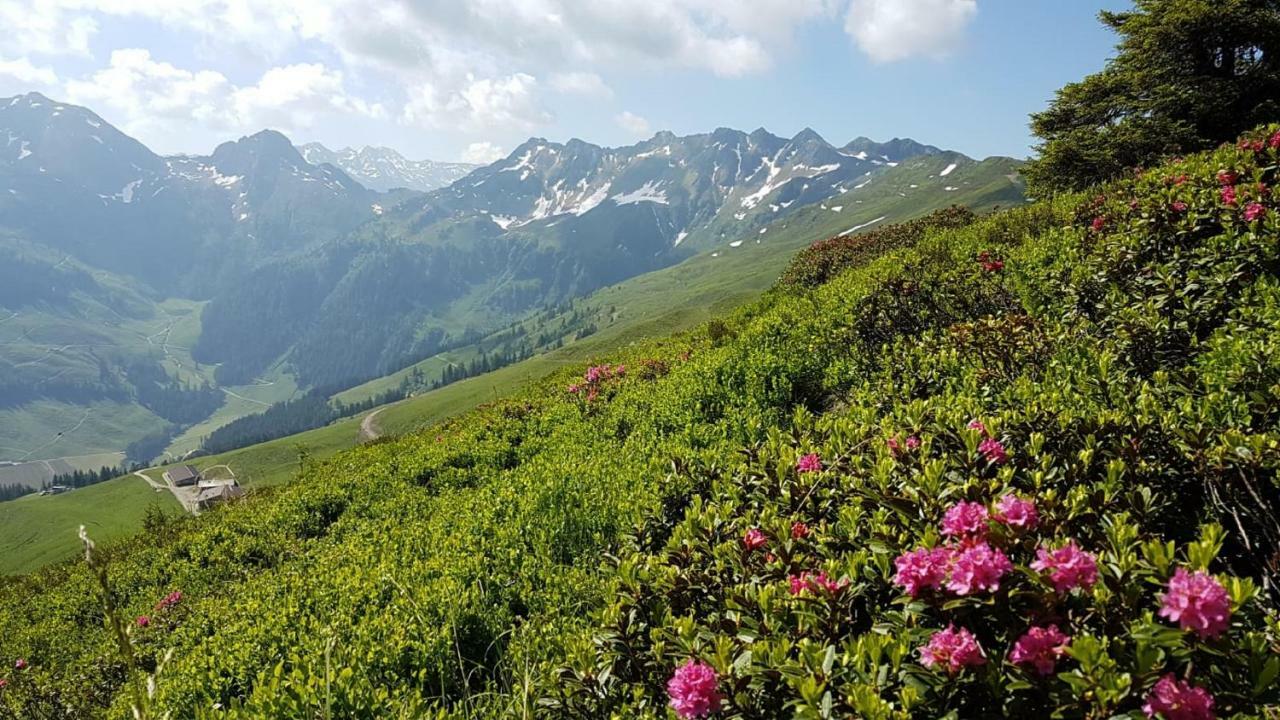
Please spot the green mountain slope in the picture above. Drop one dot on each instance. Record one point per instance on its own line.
(1107, 357)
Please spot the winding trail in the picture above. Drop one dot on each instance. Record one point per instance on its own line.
(369, 427)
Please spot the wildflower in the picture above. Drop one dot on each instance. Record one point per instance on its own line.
(809, 463)
(1015, 512)
(799, 530)
(169, 600)
(1098, 223)
(1229, 195)
(993, 450)
(1196, 602)
(913, 442)
(1069, 567)
(1040, 648)
(965, 518)
(977, 568)
(754, 539)
(692, 690)
(1228, 177)
(895, 447)
(809, 581)
(143, 621)
(574, 389)
(953, 650)
(978, 425)
(1179, 179)
(3, 683)
(1173, 699)
(1178, 206)
(798, 583)
(922, 569)
(1253, 211)
(20, 664)
(1274, 142)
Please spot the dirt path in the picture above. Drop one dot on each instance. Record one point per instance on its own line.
(369, 430)
(157, 486)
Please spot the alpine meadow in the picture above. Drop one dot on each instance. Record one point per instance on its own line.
(698, 423)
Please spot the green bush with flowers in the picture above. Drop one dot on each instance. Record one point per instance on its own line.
(1016, 465)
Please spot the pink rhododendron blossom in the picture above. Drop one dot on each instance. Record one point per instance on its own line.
(922, 569)
(20, 664)
(1069, 567)
(809, 463)
(1228, 177)
(1229, 195)
(993, 450)
(574, 389)
(965, 518)
(1040, 648)
(169, 600)
(953, 650)
(799, 530)
(913, 442)
(1179, 206)
(3, 683)
(1197, 602)
(1016, 512)
(977, 568)
(978, 425)
(1254, 211)
(1274, 142)
(892, 443)
(692, 690)
(820, 582)
(1098, 223)
(754, 539)
(143, 621)
(1173, 699)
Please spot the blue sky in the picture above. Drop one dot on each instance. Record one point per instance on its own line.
(452, 80)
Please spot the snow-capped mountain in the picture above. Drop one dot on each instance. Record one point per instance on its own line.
(727, 181)
(384, 169)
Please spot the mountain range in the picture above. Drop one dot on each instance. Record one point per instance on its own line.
(265, 266)
(384, 169)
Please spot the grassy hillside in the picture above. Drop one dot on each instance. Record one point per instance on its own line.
(1019, 467)
(649, 306)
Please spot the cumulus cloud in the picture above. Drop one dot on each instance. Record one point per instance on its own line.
(482, 153)
(22, 70)
(580, 83)
(889, 30)
(157, 100)
(633, 124)
(480, 103)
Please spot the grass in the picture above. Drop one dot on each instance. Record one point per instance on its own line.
(653, 305)
(35, 474)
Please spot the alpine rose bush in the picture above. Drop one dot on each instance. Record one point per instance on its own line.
(692, 690)
(1173, 699)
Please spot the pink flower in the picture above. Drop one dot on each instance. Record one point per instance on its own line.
(1098, 223)
(1197, 602)
(799, 530)
(1179, 206)
(1040, 648)
(809, 463)
(574, 389)
(798, 583)
(1228, 195)
(1015, 512)
(953, 650)
(1173, 699)
(895, 447)
(978, 425)
(913, 442)
(977, 568)
(1274, 142)
(993, 451)
(754, 539)
(965, 518)
(1228, 177)
(692, 690)
(1253, 211)
(3, 683)
(809, 581)
(143, 621)
(169, 600)
(20, 664)
(1068, 567)
(921, 570)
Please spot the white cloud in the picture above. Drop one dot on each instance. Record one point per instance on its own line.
(633, 124)
(22, 70)
(889, 30)
(480, 103)
(160, 102)
(581, 83)
(482, 153)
